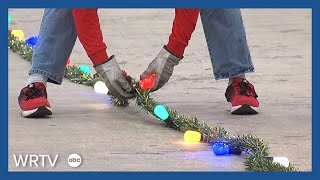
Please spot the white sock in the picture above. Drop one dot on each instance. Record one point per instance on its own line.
(37, 78)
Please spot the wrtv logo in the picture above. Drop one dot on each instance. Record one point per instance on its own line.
(35, 160)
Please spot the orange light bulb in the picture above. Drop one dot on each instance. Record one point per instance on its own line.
(68, 63)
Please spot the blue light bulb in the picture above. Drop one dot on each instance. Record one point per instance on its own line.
(85, 69)
(221, 148)
(161, 111)
(32, 41)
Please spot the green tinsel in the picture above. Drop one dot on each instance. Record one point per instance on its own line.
(255, 148)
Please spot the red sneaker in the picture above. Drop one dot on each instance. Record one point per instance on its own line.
(33, 101)
(242, 97)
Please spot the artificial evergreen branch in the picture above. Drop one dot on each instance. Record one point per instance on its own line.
(74, 74)
(259, 163)
(255, 148)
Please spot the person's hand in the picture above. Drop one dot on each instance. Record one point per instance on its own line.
(162, 65)
(113, 77)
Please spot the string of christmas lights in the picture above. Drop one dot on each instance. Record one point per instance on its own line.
(221, 142)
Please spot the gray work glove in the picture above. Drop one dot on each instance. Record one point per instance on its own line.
(113, 77)
(162, 66)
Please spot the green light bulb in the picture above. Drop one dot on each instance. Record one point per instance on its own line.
(161, 111)
(85, 69)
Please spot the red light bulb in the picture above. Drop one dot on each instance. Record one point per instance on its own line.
(124, 73)
(147, 82)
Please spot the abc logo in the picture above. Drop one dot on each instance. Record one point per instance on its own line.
(74, 160)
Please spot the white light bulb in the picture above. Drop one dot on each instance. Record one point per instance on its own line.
(281, 160)
(100, 87)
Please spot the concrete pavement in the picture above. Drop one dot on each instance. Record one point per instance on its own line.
(111, 138)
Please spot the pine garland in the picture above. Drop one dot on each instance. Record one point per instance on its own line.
(255, 148)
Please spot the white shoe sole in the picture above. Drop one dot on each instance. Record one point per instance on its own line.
(41, 111)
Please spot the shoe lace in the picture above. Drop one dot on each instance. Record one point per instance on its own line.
(33, 92)
(244, 88)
